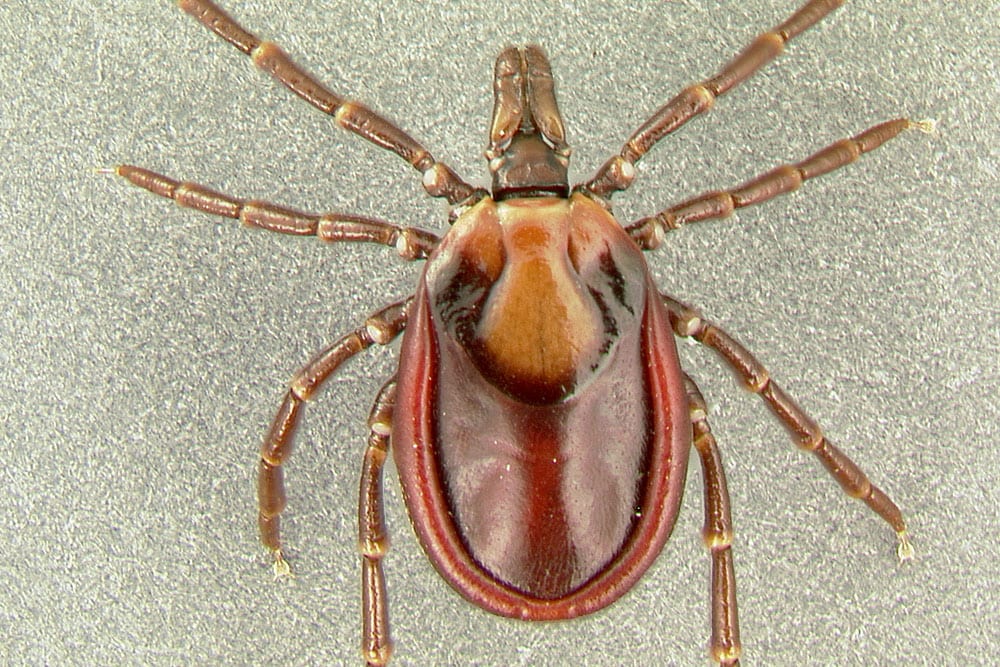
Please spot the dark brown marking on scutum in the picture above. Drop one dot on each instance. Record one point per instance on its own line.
(548, 557)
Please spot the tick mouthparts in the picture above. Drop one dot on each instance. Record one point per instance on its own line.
(528, 155)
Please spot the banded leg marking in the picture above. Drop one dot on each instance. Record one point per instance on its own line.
(439, 180)
(373, 537)
(648, 232)
(618, 172)
(717, 533)
(689, 323)
(410, 242)
(381, 328)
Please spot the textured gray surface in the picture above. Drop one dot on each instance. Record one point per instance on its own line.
(143, 348)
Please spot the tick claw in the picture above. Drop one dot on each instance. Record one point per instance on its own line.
(904, 550)
(281, 567)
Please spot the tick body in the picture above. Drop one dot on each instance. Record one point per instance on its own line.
(540, 420)
(536, 330)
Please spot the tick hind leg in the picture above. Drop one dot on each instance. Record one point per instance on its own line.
(439, 180)
(380, 328)
(373, 537)
(717, 533)
(688, 322)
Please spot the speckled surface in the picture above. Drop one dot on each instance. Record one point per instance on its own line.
(144, 348)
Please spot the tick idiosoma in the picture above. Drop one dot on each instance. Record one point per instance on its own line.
(539, 418)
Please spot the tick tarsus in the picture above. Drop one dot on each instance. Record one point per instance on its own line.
(689, 323)
(650, 231)
(904, 550)
(528, 157)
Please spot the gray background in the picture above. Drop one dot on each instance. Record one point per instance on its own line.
(144, 348)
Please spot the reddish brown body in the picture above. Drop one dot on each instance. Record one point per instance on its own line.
(542, 429)
(540, 420)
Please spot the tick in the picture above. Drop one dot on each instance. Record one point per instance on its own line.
(539, 418)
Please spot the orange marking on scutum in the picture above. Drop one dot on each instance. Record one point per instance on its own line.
(539, 321)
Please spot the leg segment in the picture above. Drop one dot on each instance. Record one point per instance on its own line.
(438, 179)
(687, 322)
(617, 173)
(411, 243)
(648, 232)
(372, 534)
(718, 534)
(380, 328)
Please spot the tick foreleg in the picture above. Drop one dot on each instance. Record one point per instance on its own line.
(617, 173)
(439, 179)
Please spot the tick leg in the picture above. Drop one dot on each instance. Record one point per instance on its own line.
(688, 322)
(648, 232)
(410, 242)
(438, 178)
(380, 328)
(718, 534)
(617, 173)
(372, 534)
